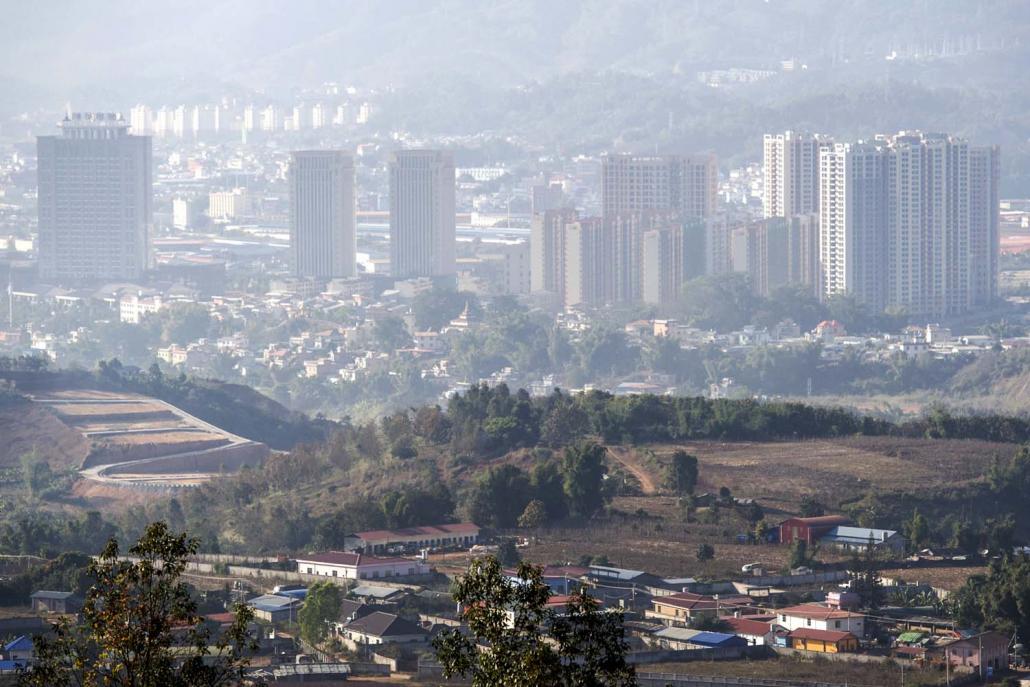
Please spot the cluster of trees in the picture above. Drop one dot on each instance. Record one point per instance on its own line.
(728, 302)
(140, 625)
(999, 599)
(524, 642)
(508, 496)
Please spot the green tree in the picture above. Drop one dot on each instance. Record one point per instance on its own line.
(583, 469)
(534, 516)
(140, 626)
(799, 555)
(865, 579)
(36, 472)
(811, 508)
(507, 553)
(917, 530)
(390, 333)
(321, 605)
(508, 624)
(705, 552)
(683, 473)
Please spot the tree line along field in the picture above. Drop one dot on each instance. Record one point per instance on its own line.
(832, 471)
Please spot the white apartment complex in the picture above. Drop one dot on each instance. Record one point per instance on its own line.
(322, 221)
(95, 201)
(422, 222)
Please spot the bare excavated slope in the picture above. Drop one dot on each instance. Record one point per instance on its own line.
(27, 426)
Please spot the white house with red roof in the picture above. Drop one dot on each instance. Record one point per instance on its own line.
(756, 629)
(359, 566)
(461, 534)
(821, 618)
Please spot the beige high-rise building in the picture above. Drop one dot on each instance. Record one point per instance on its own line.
(664, 263)
(587, 263)
(322, 219)
(422, 223)
(718, 236)
(686, 184)
(791, 173)
(547, 251)
(95, 201)
(984, 173)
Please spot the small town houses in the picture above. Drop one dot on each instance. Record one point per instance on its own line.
(359, 566)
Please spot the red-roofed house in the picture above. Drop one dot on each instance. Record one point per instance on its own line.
(816, 617)
(754, 628)
(462, 534)
(683, 607)
(809, 530)
(358, 566)
(823, 641)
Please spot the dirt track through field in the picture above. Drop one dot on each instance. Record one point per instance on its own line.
(629, 460)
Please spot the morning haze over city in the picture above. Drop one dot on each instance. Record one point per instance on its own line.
(586, 343)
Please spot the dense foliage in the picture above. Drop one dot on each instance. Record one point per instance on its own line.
(508, 628)
(140, 626)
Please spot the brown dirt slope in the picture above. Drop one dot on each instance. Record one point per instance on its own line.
(25, 426)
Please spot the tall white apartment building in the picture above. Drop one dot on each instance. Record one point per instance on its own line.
(853, 222)
(322, 220)
(910, 222)
(228, 205)
(95, 201)
(791, 173)
(422, 222)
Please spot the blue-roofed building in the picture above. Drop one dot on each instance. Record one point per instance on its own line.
(850, 538)
(679, 638)
(19, 649)
(12, 666)
(275, 608)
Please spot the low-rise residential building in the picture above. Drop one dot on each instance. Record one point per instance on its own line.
(274, 608)
(809, 530)
(681, 638)
(462, 534)
(988, 649)
(358, 566)
(850, 538)
(755, 629)
(45, 601)
(823, 641)
(685, 607)
(381, 628)
(818, 617)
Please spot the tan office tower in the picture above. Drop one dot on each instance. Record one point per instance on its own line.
(627, 234)
(718, 236)
(95, 195)
(587, 263)
(547, 251)
(686, 184)
(984, 166)
(422, 231)
(791, 173)
(803, 252)
(322, 220)
(664, 263)
(853, 222)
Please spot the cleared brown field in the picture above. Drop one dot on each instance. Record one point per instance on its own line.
(27, 427)
(84, 410)
(660, 542)
(780, 473)
(172, 436)
(788, 668)
(116, 425)
(950, 578)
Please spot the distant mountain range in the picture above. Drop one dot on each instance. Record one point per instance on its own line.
(123, 47)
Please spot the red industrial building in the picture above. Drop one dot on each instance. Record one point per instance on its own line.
(809, 530)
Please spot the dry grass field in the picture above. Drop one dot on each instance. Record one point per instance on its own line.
(780, 473)
(824, 671)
